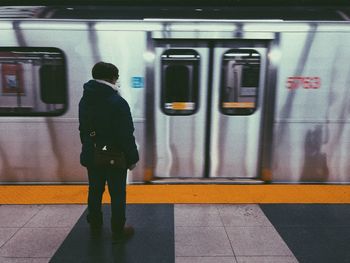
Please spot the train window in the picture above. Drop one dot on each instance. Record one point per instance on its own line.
(239, 81)
(33, 82)
(179, 93)
(52, 79)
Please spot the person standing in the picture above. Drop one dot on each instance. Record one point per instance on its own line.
(102, 107)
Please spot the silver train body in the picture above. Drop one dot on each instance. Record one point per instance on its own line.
(212, 100)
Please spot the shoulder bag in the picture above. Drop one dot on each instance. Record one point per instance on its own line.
(106, 156)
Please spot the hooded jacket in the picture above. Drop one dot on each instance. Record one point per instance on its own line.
(109, 114)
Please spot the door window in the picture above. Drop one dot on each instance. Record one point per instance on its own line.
(180, 81)
(239, 81)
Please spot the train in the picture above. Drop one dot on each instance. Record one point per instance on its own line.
(216, 95)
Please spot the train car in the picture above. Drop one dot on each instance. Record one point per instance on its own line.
(217, 95)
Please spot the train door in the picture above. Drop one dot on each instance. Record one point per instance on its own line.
(180, 109)
(208, 98)
(237, 111)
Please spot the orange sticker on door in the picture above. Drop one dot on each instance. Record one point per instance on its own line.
(241, 105)
(179, 106)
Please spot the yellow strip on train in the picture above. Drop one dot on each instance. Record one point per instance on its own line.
(169, 194)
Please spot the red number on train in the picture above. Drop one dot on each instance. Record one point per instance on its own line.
(303, 82)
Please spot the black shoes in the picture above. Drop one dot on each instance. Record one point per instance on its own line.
(127, 232)
(96, 229)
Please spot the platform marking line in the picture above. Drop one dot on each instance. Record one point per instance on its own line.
(171, 194)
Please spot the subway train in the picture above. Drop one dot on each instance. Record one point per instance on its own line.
(217, 95)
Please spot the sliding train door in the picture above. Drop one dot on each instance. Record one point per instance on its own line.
(181, 86)
(208, 109)
(237, 110)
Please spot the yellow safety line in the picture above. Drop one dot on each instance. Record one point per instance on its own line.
(200, 194)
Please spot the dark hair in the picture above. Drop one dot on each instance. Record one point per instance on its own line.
(105, 71)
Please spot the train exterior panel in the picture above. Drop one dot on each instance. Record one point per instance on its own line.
(312, 115)
(252, 100)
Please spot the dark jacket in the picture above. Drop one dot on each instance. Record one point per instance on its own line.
(110, 115)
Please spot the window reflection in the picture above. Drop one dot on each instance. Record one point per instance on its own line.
(33, 81)
(239, 82)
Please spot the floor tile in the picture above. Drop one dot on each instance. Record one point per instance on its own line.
(24, 260)
(6, 234)
(17, 215)
(308, 214)
(202, 241)
(153, 240)
(257, 241)
(149, 216)
(57, 216)
(205, 260)
(266, 259)
(318, 244)
(197, 215)
(243, 215)
(34, 242)
(314, 233)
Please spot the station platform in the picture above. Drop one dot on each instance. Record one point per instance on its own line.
(182, 232)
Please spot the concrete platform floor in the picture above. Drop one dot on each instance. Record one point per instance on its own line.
(201, 233)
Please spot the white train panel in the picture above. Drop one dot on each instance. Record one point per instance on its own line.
(312, 114)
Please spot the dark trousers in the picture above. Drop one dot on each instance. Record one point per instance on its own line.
(116, 180)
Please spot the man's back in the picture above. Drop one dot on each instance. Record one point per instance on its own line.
(109, 114)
